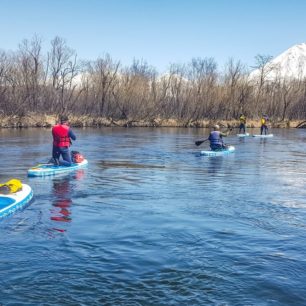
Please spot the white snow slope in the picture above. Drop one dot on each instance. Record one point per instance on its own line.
(291, 64)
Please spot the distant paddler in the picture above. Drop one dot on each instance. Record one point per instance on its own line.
(216, 139)
(264, 126)
(242, 119)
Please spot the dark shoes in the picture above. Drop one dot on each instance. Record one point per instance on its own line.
(54, 161)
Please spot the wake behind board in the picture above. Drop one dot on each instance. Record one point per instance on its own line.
(45, 170)
(229, 150)
(15, 201)
(243, 135)
(263, 136)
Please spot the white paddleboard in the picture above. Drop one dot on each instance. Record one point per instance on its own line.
(243, 135)
(229, 150)
(263, 136)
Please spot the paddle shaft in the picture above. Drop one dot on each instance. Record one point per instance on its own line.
(41, 165)
(199, 142)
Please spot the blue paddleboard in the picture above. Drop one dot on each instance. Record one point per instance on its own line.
(47, 169)
(15, 201)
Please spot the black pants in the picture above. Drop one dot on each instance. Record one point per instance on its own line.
(65, 153)
(262, 128)
(242, 127)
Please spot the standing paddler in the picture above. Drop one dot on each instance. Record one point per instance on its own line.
(242, 119)
(264, 125)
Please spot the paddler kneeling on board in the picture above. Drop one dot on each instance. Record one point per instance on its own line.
(215, 138)
(62, 135)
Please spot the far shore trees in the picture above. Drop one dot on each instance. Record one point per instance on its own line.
(32, 82)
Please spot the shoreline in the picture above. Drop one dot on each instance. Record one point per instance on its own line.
(47, 121)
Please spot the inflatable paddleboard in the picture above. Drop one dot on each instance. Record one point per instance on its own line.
(263, 136)
(44, 170)
(9, 203)
(229, 150)
(243, 135)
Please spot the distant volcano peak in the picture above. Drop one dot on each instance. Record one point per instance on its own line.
(290, 64)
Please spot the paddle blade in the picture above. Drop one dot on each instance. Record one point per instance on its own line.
(199, 142)
(42, 165)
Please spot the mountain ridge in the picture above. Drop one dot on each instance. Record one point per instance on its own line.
(291, 64)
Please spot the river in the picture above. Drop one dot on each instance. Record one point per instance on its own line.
(150, 222)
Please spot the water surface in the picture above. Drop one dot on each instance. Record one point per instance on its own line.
(150, 222)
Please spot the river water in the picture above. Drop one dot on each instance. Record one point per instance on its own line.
(150, 222)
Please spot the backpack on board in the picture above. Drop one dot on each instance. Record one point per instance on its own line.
(76, 157)
(11, 186)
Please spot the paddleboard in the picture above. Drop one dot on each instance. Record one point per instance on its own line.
(9, 203)
(47, 169)
(243, 135)
(229, 150)
(263, 136)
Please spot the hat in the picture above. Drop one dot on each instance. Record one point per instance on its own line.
(63, 118)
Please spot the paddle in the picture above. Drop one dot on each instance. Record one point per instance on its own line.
(229, 129)
(199, 142)
(42, 165)
(51, 162)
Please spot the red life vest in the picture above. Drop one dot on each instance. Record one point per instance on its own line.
(60, 134)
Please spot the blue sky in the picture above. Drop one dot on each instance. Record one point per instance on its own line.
(158, 31)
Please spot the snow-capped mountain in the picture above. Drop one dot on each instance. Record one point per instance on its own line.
(291, 64)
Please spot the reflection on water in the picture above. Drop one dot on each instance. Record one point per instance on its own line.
(126, 164)
(150, 222)
(62, 201)
(62, 198)
(215, 164)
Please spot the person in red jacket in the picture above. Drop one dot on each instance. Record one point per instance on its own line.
(62, 135)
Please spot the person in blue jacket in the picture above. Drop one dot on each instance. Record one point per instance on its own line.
(215, 138)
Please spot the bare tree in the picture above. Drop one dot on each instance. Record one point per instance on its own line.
(103, 74)
(64, 68)
(57, 82)
(30, 61)
(264, 69)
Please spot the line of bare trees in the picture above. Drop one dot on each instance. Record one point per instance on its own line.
(58, 82)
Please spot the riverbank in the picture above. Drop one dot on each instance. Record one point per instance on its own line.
(46, 121)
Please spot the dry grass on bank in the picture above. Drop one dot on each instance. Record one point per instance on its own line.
(46, 121)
